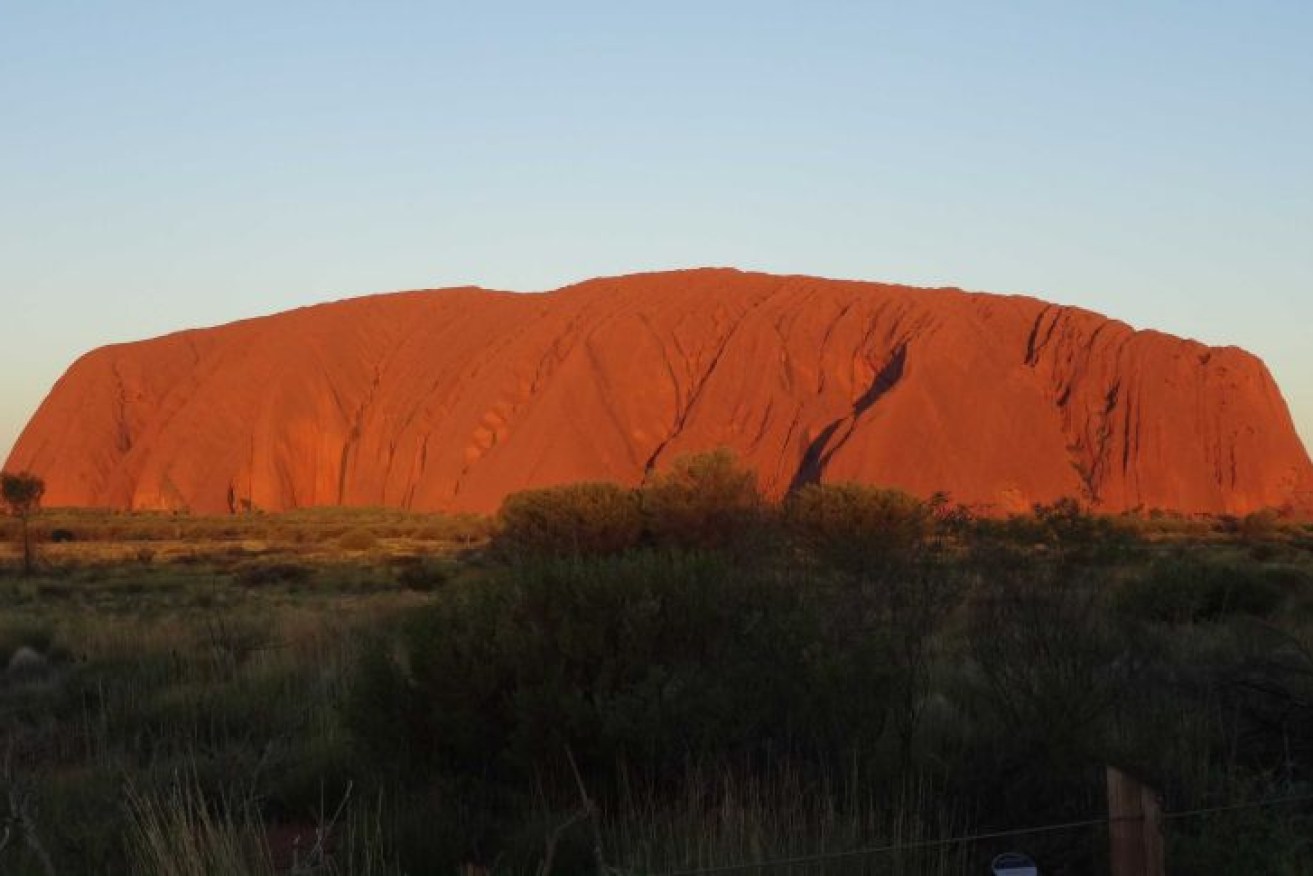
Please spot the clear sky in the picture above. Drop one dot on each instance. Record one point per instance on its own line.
(165, 165)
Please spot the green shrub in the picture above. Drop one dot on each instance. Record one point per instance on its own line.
(856, 524)
(647, 658)
(358, 539)
(1259, 527)
(586, 518)
(1084, 535)
(425, 573)
(1067, 530)
(1265, 551)
(1187, 591)
(258, 574)
(704, 500)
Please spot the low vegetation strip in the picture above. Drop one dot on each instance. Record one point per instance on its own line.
(720, 678)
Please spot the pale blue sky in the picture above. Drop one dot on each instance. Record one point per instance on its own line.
(172, 164)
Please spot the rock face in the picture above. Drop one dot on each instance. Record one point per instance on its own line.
(449, 400)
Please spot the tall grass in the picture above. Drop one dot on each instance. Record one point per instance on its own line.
(722, 819)
(179, 830)
(179, 833)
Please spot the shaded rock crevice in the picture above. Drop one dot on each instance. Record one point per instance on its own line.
(822, 449)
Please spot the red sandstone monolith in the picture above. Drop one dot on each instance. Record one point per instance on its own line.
(450, 399)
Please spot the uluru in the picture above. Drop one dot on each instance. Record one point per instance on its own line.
(448, 400)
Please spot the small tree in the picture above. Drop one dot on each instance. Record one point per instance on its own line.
(583, 518)
(704, 500)
(22, 494)
(855, 526)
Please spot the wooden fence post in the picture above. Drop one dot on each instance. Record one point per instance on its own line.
(1134, 827)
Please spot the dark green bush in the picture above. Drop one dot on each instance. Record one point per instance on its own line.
(1187, 591)
(1259, 526)
(1065, 529)
(852, 524)
(704, 500)
(425, 573)
(1081, 535)
(587, 518)
(260, 574)
(358, 539)
(647, 658)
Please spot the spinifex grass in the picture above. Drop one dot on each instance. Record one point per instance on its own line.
(719, 819)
